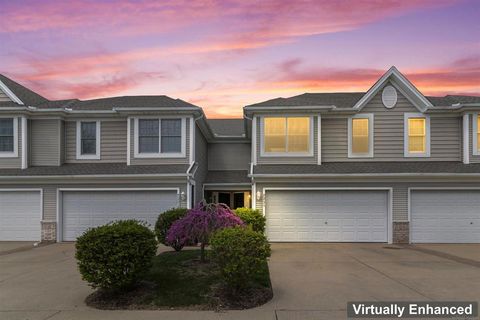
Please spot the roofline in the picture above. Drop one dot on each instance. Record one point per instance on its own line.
(88, 176)
(10, 93)
(339, 175)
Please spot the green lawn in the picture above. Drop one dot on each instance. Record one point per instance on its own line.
(178, 280)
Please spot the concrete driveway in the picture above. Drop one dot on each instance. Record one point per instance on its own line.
(310, 281)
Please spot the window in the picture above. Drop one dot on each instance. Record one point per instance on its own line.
(159, 137)
(478, 135)
(7, 135)
(171, 136)
(417, 135)
(148, 136)
(88, 140)
(289, 135)
(360, 136)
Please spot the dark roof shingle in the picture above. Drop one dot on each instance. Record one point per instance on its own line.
(420, 167)
(227, 127)
(96, 169)
(27, 96)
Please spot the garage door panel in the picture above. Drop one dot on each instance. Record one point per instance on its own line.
(86, 209)
(445, 216)
(328, 215)
(20, 215)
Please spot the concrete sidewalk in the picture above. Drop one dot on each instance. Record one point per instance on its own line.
(310, 281)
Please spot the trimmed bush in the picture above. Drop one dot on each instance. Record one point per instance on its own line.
(116, 255)
(199, 224)
(241, 254)
(252, 218)
(165, 221)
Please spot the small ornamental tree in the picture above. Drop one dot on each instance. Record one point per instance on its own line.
(200, 223)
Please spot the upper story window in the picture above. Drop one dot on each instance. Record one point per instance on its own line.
(88, 140)
(159, 137)
(287, 136)
(360, 136)
(8, 137)
(417, 135)
(476, 134)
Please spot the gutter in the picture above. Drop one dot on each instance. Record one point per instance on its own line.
(89, 176)
(336, 175)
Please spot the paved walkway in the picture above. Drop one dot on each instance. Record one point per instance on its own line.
(310, 281)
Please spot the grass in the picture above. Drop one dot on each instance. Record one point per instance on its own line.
(178, 280)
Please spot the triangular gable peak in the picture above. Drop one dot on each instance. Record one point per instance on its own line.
(7, 93)
(396, 79)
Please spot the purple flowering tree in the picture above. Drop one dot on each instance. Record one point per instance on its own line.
(200, 223)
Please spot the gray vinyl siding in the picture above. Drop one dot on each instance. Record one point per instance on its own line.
(445, 135)
(50, 203)
(399, 196)
(113, 142)
(229, 156)
(285, 160)
(45, 142)
(153, 161)
(16, 162)
(473, 158)
(4, 97)
(202, 159)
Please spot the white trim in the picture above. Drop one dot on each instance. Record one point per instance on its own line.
(14, 153)
(475, 142)
(254, 197)
(425, 103)
(466, 140)
(79, 155)
(409, 209)
(189, 196)
(9, 93)
(24, 143)
(371, 133)
(80, 176)
(406, 152)
(389, 205)
(129, 133)
(341, 175)
(60, 201)
(286, 154)
(192, 140)
(319, 139)
(159, 154)
(254, 141)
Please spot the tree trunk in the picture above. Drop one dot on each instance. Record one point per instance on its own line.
(202, 252)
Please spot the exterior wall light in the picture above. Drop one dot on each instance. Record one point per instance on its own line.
(259, 195)
(182, 196)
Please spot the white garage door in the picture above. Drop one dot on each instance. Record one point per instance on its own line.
(20, 215)
(445, 216)
(335, 216)
(85, 209)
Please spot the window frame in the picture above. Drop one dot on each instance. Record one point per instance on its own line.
(160, 154)
(14, 153)
(309, 153)
(98, 135)
(371, 140)
(475, 133)
(406, 151)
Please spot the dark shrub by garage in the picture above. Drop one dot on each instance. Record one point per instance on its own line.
(116, 255)
(165, 221)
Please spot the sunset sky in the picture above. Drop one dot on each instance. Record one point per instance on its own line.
(223, 55)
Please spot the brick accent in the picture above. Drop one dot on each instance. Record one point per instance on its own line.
(49, 231)
(401, 232)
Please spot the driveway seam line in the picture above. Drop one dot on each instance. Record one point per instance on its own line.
(446, 256)
(52, 315)
(387, 276)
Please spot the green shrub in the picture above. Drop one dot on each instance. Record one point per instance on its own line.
(253, 218)
(116, 255)
(241, 253)
(165, 221)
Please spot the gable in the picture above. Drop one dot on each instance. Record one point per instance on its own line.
(377, 103)
(401, 85)
(4, 97)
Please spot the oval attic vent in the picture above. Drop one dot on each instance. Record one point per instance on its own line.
(389, 97)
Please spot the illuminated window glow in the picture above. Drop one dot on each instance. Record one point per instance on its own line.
(286, 134)
(360, 138)
(416, 135)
